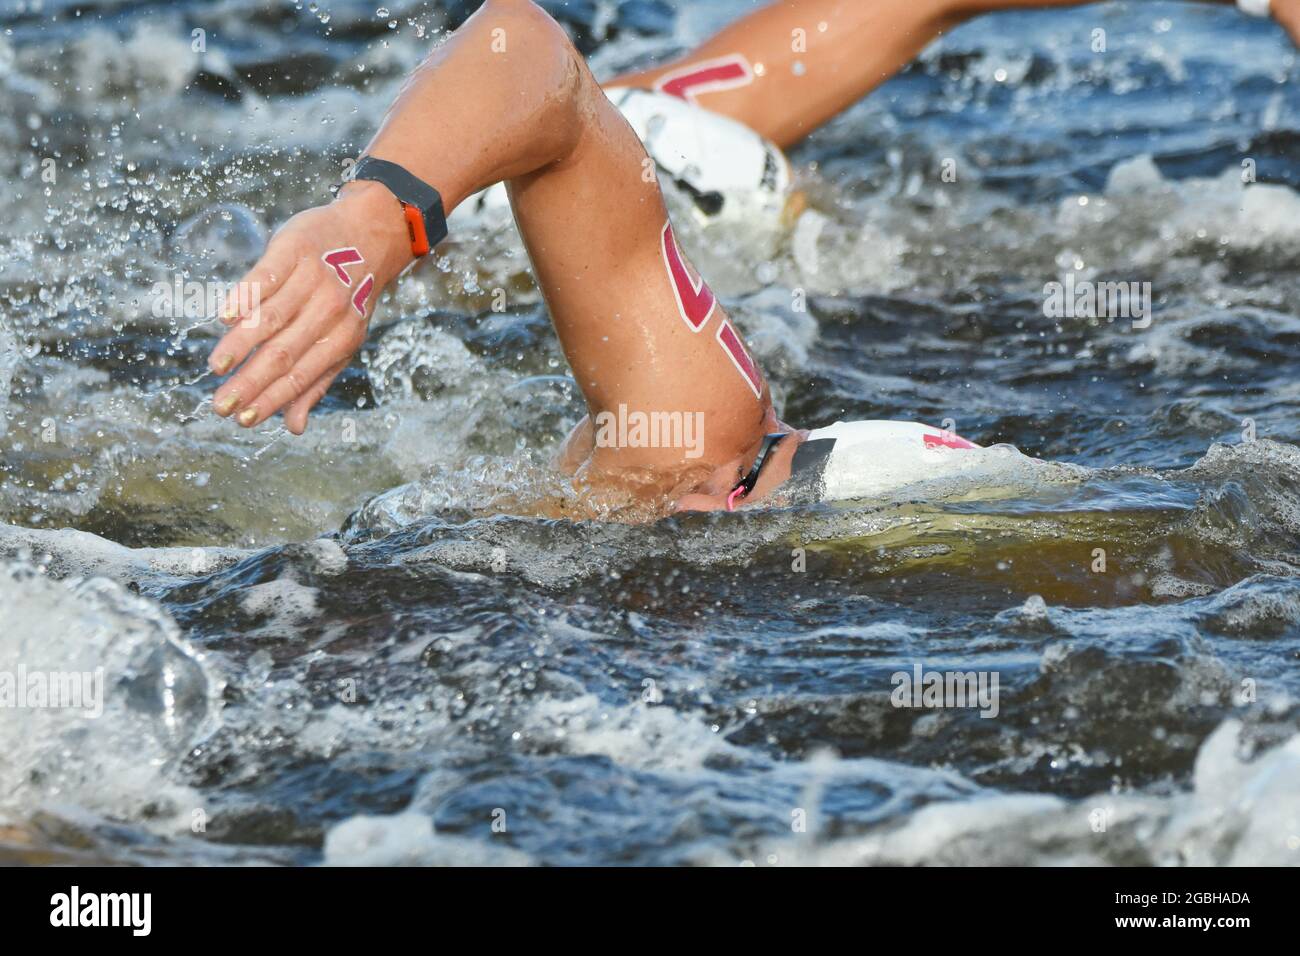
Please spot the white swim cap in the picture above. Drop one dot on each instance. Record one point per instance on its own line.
(873, 458)
(731, 174)
(1256, 8)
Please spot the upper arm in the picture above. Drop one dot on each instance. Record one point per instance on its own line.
(638, 325)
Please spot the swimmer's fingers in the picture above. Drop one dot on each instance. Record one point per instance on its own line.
(296, 382)
(295, 416)
(264, 280)
(268, 318)
(279, 355)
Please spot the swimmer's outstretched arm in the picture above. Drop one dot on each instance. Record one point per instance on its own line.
(791, 67)
(507, 97)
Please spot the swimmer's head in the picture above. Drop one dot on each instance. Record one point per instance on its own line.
(717, 492)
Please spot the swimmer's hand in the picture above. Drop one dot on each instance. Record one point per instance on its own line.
(301, 323)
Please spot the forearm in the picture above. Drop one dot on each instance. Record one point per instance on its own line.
(810, 60)
(503, 97)
(496, 101)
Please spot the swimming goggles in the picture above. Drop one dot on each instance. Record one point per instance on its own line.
(747, 483)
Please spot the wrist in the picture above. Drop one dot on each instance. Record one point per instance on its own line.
(381, 221)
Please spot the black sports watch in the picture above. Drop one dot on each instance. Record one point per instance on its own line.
(421, 204)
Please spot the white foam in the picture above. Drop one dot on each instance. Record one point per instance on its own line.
(158, 695)
(1137, 176)
(409, 839)
(327, 556)
(69, 552)
(1238, 213)
(156, 58)
(835, 256)
(643, 736)
(775, 331)
(1237, 813)
(287, 602)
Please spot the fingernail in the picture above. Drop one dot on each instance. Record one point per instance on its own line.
(248, 416)
(222, 365)
(227, 404)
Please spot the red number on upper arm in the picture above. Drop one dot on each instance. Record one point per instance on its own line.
(730, 342)
(695, 300)
(708, 76)
(696, 304)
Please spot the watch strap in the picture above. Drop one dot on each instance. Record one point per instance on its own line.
(426, 220)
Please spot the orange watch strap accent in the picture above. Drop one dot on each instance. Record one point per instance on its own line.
(415, 226)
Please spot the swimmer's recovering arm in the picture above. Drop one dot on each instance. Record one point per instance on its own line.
(507, 97)
(790, 67)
